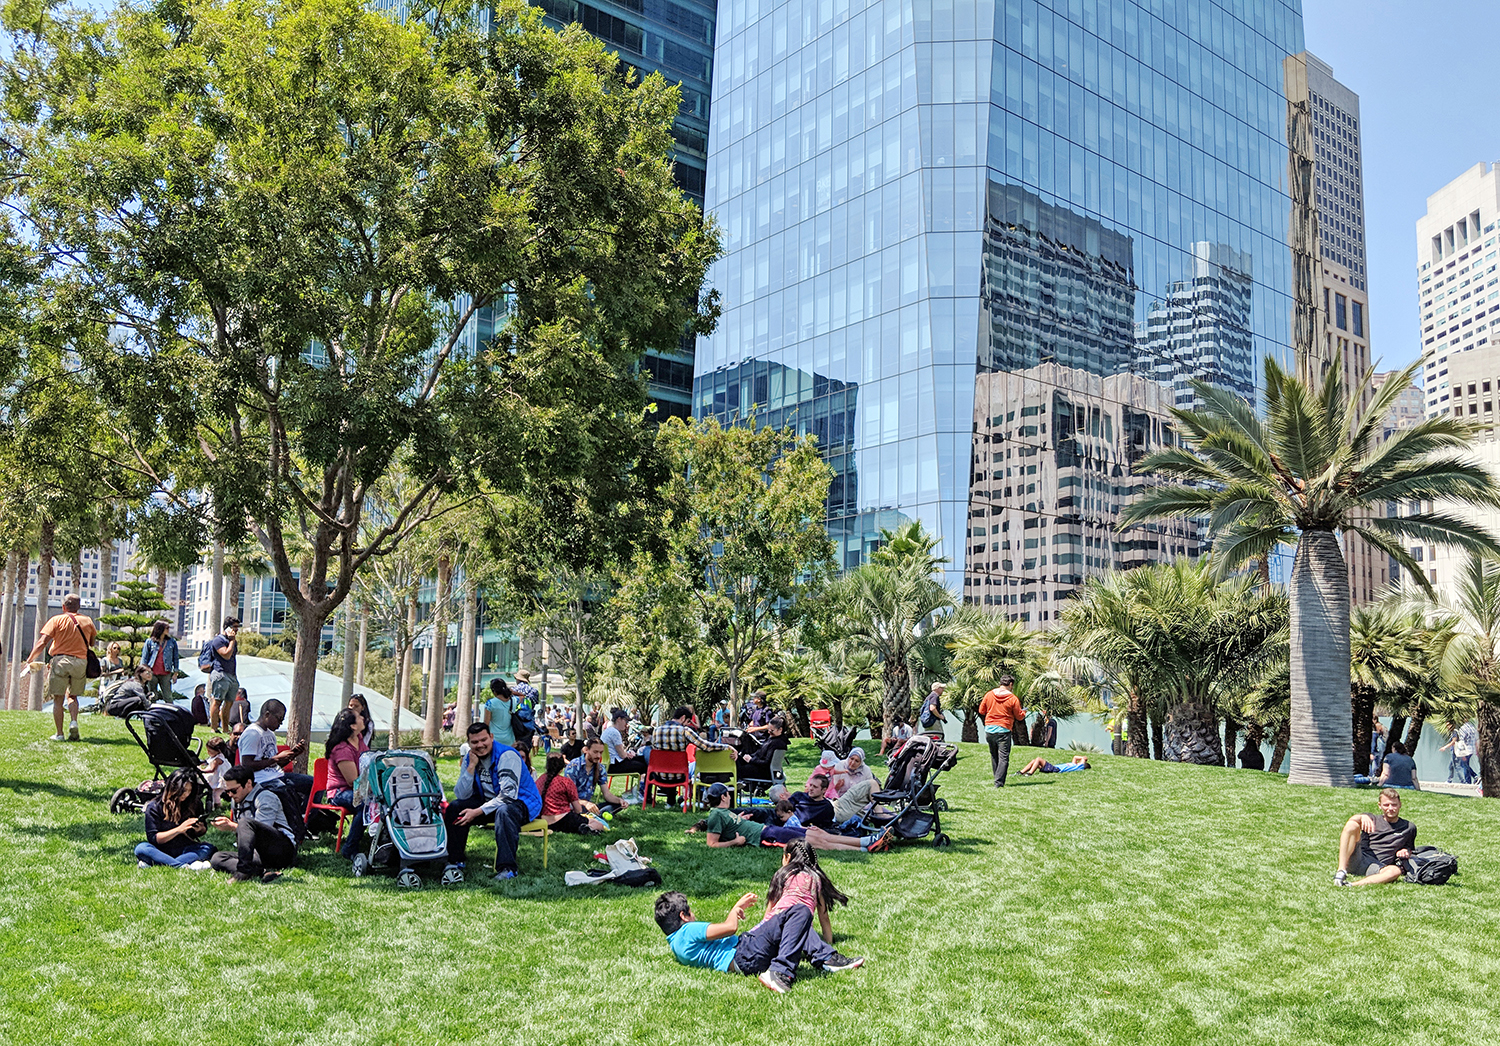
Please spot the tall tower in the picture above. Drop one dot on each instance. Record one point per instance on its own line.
(966, 212)
(1332, 318)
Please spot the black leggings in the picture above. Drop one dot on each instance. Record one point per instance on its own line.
(570, 823)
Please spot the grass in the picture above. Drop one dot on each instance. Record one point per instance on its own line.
(1135, 903)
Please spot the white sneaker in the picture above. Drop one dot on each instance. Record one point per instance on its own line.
(73, 730)
(198, 866)
(142, 864)
(58, 737)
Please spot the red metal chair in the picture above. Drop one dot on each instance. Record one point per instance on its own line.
(320, 784)
(820, 719)
(663, 762)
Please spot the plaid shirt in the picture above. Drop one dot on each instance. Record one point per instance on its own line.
(673, 736)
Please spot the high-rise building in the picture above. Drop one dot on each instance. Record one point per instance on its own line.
(1459, 290)
(1410, 407)
(676, 39)
(981, 208)
(1325, 133)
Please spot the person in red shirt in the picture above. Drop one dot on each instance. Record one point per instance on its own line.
(70, 637)
(1001, 710)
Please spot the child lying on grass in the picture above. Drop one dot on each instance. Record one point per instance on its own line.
(1040, 765)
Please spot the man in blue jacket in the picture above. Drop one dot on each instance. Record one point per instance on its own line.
(493, 786)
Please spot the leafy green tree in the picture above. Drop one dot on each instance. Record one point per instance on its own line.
(742, 520)
(1317, 465)
(138, 606)
(330, 208)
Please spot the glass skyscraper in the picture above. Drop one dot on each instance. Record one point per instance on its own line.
(981, 247)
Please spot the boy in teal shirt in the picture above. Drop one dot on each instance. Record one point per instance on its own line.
(770, 952)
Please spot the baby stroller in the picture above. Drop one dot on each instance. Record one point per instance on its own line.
(404, 817)
(910, 791)
(837, 739)
(165, 734)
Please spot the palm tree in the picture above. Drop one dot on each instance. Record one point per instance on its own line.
(1177, 639)
(992, 648)
(1315, 467)
(895, 606)
(1397, 650)
(1472, 668)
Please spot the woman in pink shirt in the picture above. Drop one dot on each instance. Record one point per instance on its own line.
(346, 743)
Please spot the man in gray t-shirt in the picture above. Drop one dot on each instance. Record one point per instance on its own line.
(1375, 847)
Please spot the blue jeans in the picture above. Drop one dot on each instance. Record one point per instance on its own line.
(151, 855)
(354, 837)
(1460, 770)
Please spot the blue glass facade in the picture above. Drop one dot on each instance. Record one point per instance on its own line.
(985, 244)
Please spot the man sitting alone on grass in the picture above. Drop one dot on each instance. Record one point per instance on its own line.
(1376, 848)
(1041, 766)
(769, 952)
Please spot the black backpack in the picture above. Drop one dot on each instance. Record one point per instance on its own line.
(293, 803)
(1430, 866)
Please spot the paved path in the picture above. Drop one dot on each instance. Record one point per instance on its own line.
(1450, 789)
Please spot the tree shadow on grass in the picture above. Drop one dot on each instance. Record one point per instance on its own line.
(52, 789)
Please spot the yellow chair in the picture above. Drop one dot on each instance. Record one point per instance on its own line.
(720, 762)
(541, 828)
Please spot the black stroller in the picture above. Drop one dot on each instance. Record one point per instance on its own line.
(165, 734)
(837, 739)
(910, 792)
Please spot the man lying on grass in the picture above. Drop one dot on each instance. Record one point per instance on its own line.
(724, 828)
(770, 952)
(1041, 766)
(1376, 847)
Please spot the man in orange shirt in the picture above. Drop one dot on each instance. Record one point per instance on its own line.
(1001, 710)
(70, 637)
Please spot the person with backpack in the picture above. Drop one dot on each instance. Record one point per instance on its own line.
(1375, 847)
(498, 709)
(71, 639)
(219, 659)
(265, 839)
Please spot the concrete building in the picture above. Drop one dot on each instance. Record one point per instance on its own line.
(967, 211)
(1409, 409)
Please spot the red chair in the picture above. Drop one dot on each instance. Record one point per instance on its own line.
(820, 719)
(663, 762)
(320, 784)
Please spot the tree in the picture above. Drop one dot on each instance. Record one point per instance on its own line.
(138, 606)
(991, 648)
(1394, 651)
(576, 613)
(1315, 467)
(896, 607)
(742, 518)
(323, 229)
(1472, 665)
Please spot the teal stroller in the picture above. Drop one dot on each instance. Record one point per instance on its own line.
(404, 816)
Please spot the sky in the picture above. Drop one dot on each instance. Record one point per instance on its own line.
(1429, 113)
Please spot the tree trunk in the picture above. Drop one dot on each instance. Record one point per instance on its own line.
(1361, 714)
(161, 582)
(896, 698)
(1489, 746)
(351, 637)
(364, 645)
(14, 690)
(1398, 726)
(1414, 728)
(436, 690)
(75, 570)
(970, 732)
(402, 657)
(216, 613)
(304, 680)
(1278, 749)
(1255, 734)
(1135, 714)
(1320, 728)
(1193, 735)
(463, 715)
(1158, 749)
(43, 602)
(1231, 736)
(7, 615)
(233, 593)
(106, 579)
(804, 720)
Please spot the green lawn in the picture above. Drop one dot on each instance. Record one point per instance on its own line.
(1135, 903)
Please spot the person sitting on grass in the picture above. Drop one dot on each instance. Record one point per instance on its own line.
(589, 776)
(770, 952)
(1375, 848)
(264, 840)
(726, 828)
(1400, 769)
(800, 880)
(259, 751)
(1041, 766)
(175, 826)
(214, 767)
(493, 786)
(561, 807)
(812, 806)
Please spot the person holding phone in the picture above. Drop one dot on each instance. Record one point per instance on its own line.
(175, 826)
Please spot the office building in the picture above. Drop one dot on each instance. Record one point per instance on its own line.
(968, 210)
(1410, 407)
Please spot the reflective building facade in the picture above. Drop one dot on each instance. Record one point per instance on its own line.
(1017, 228)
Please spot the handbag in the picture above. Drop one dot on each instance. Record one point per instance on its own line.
(91, 669)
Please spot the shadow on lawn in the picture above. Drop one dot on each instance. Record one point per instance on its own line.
(57, 790)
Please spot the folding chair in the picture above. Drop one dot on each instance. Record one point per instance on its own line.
(674, 763)
(320, 784)
(754, 785)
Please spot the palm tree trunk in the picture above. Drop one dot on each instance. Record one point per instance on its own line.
(1489, 746)
(896, 700)
(1361, 713)
(1135, 714)
(161, 582)
(75, 569)
(1414, 728)
(1320, 728)
(216, 589)
(233, 595)
(1156, 738)
(1231, 736)
(106, 579)
(970, 733)
(1278, 750)
(1398, 727)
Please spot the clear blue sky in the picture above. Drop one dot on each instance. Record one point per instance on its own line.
(1428, 103)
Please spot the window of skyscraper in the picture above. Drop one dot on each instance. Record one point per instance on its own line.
(1340, 305)
(1359, 320)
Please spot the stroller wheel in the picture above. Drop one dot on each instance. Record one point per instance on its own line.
(122, 801)
(941, 839)
(942, 805)
(452, 876)
(409, 879)
(361, 866)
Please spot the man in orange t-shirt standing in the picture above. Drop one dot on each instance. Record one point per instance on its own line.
(70, 636)
(1001, 710)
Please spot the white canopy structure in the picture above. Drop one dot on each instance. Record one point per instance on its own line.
(264, 679)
